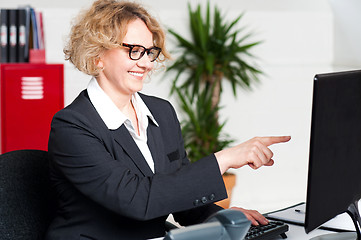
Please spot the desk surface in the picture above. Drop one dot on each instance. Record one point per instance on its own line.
(297, 232)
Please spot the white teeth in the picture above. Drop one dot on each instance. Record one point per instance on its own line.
(136, 74)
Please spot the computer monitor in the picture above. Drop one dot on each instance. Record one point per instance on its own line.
(334, 175)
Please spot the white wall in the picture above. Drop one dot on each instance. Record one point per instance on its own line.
(301, 38)
(347, 35)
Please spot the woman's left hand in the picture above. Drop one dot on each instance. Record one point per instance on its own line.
(254, 216)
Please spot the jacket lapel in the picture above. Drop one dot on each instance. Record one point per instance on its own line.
(125, 140)
(123, 137)
(156, 146)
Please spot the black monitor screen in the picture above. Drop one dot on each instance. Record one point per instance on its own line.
(334, 176)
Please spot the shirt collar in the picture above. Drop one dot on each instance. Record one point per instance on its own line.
(108, 111)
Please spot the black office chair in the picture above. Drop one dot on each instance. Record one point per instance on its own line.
(26, 200)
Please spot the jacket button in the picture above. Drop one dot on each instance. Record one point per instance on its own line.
(204, 200)
(212, 197)
(196, 202)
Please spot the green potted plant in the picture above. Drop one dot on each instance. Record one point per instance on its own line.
(217, 53)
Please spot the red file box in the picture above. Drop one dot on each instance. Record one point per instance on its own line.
(30, 96)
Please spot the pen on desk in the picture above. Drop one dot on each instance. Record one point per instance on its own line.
(299, 211)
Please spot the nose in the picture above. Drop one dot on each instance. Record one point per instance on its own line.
(145, 62)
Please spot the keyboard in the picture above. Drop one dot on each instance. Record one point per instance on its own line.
(267, 232)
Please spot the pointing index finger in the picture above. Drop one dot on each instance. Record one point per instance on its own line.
(274, 139)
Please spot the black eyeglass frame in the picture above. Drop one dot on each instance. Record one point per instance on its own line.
(145, 50)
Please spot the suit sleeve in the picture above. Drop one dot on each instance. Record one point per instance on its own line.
(203, 204)
(78, 151)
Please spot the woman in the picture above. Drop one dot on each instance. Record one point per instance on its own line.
(118, 166)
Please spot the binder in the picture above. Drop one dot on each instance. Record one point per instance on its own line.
(41, 30)
(13, 35)
(37, 44)
(4, 36)
(34, 29)
(23, 36)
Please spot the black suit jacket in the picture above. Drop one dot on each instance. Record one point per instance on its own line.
(104, 186)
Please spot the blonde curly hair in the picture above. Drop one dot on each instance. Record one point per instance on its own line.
(103, 27)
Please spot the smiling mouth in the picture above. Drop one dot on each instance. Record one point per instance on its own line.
(136, 74)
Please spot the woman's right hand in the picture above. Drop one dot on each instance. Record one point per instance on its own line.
(254, 152)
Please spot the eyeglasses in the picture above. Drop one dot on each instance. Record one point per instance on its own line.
(136, 52)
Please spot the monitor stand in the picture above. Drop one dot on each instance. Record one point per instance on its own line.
(355, 215)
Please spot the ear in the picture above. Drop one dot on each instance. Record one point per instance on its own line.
(99, 63)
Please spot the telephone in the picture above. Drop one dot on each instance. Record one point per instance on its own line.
(226, 224)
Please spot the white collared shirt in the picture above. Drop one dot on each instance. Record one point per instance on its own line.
(114, 118)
